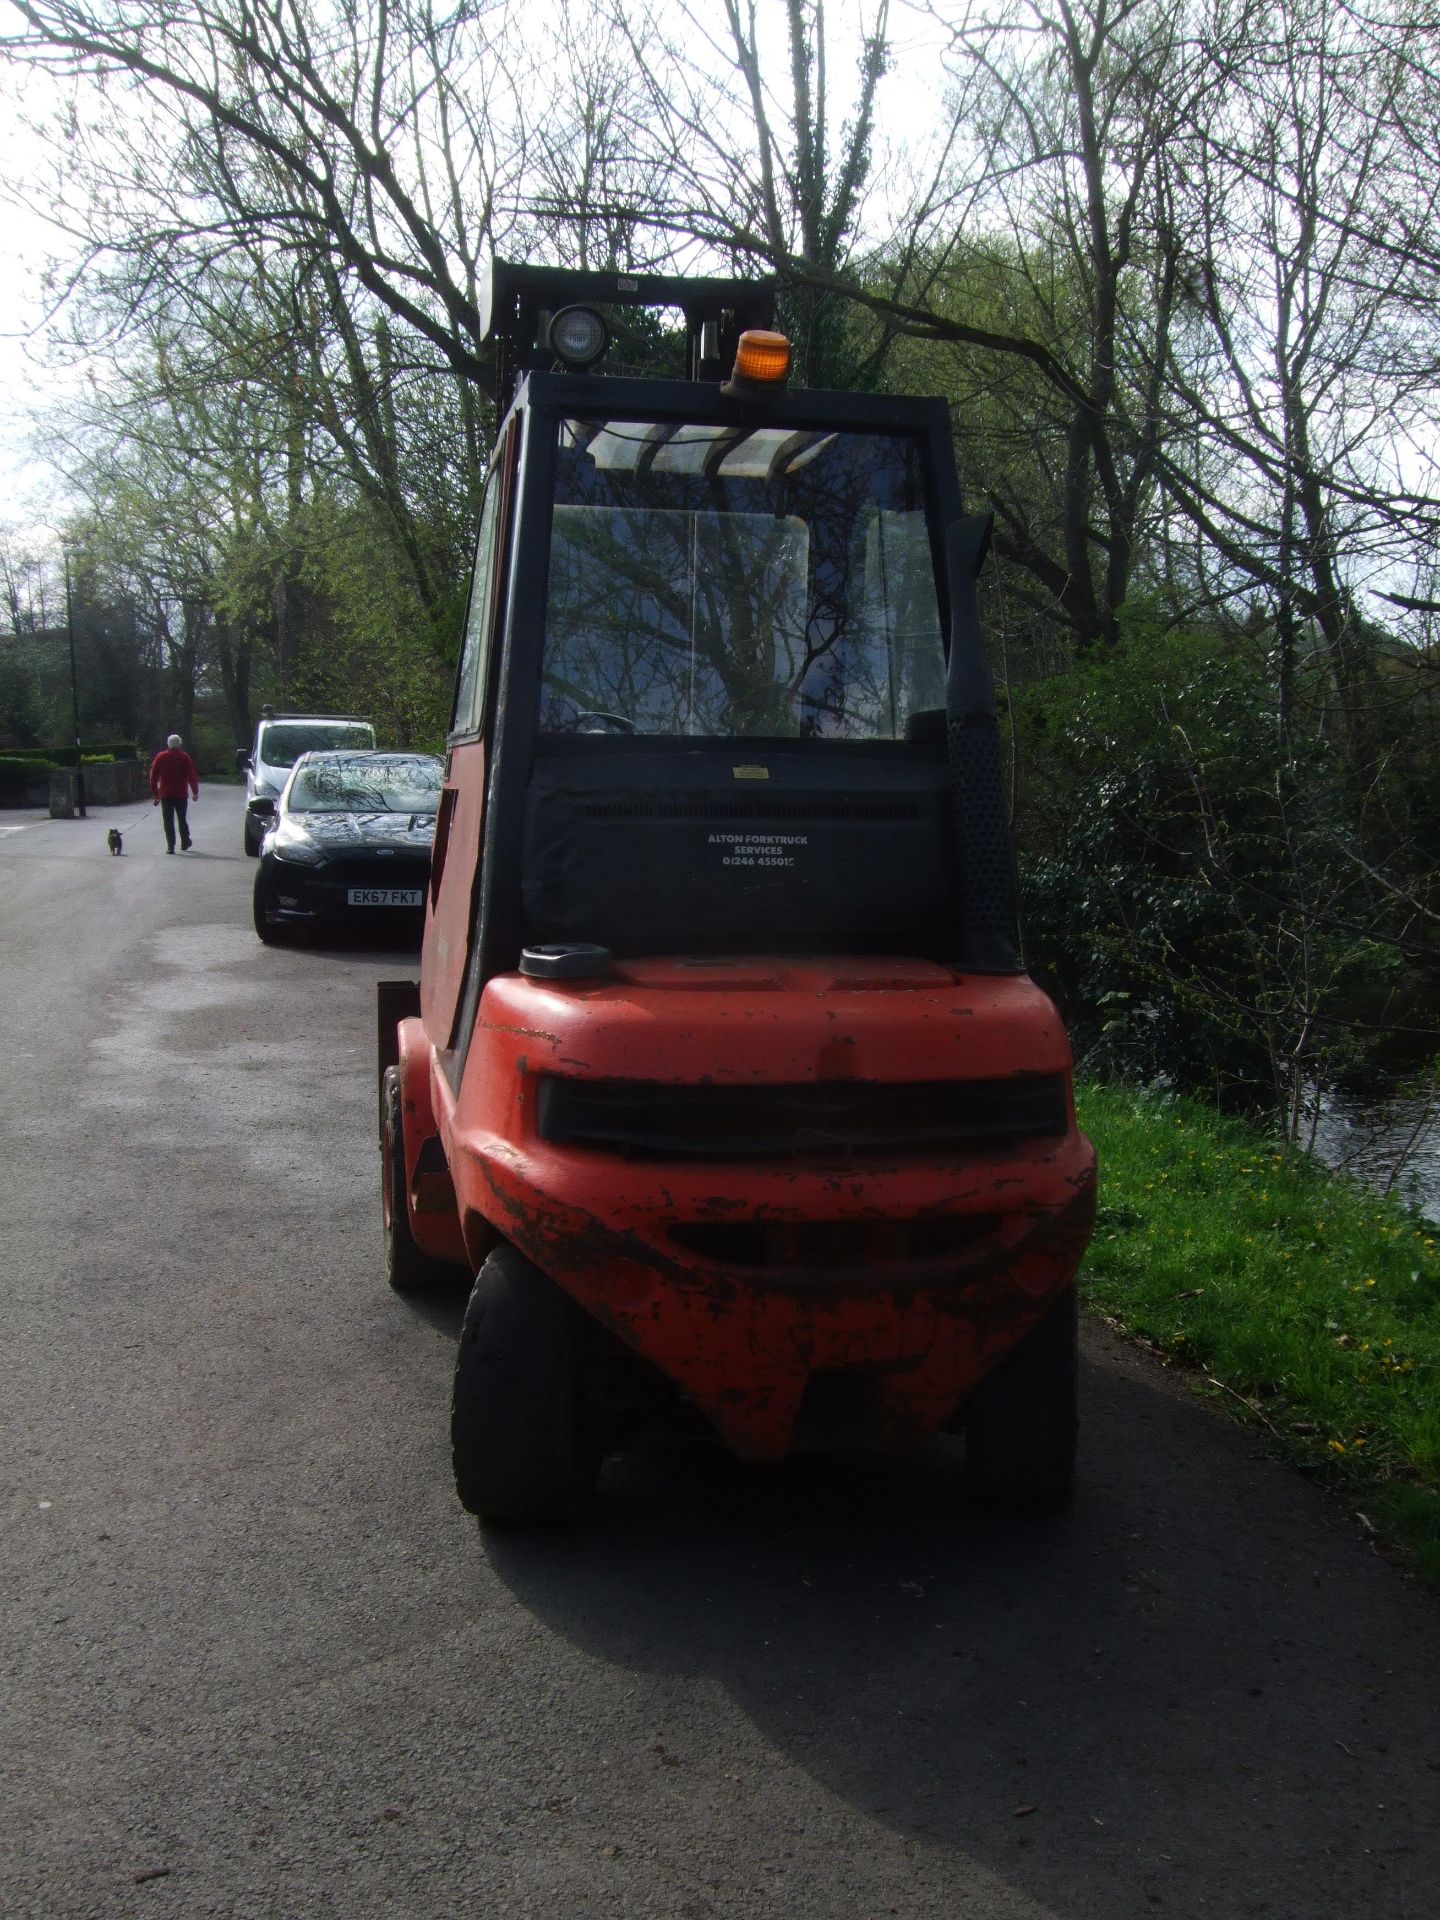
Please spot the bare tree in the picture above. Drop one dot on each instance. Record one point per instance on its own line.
(1312, 378)
(362, 136)
(1039, 236)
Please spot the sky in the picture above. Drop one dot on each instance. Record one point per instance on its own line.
(27, 241)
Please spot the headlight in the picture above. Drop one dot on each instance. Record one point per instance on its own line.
(298, 853)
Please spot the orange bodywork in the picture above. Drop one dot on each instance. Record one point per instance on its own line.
(902, 1279)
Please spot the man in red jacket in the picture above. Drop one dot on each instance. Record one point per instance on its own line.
(172, 774)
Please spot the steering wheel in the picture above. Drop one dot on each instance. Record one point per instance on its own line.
(609, 722)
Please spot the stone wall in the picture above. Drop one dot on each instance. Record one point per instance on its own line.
(112, 783)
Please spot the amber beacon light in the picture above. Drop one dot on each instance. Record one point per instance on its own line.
(762, 365)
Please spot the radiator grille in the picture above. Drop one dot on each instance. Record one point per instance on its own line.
(809, 1121)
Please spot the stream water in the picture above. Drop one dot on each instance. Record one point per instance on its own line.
(1392, 1144)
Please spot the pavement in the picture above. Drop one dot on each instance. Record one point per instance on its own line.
(255, 1661)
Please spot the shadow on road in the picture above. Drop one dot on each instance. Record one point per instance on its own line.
(1199, 1692)
(444, 1308)
(354, 948)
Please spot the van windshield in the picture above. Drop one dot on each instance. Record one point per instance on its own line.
(739, 582)
(283, 741)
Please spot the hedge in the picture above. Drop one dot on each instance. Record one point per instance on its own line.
(99, 750)
(20, 775)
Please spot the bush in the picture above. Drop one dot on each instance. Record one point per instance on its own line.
(1198, 899)
(19, 775)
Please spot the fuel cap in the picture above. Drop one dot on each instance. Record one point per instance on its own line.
(575, 960)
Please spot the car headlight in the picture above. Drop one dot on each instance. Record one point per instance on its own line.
(298, 853)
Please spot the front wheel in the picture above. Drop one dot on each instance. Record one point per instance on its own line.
(254, 834)
(1020, 1422)
(522, 1445)
(408, 1268)
(268, 930)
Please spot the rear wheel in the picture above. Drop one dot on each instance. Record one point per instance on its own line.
(1020, 1422)
(408, 1267)
(522, 1445)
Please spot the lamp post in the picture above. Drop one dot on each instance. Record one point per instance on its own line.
(74, 687)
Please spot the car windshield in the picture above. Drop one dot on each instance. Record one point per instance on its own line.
(282, 744)
(732, 582)
(365, 783)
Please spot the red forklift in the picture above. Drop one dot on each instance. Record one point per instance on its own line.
(723, 1078)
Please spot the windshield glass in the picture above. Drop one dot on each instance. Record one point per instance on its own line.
(734, 582)
(367, 783)
(282, 743)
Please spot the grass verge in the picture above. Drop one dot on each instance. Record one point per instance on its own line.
(1303, 1301)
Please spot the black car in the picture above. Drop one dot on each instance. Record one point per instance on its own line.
(349, 845)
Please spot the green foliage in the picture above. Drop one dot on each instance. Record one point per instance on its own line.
(1309, 1306)
(1069, 543)
(1194, 888)
(21, 775)
(34, 688)
(26, 761)
(834, 344)
(645, 343)
(382, 652)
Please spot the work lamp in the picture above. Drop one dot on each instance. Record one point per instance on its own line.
(578, 336)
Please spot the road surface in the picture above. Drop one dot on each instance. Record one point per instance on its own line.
(257, 1662)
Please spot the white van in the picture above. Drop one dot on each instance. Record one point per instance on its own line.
(280, 739)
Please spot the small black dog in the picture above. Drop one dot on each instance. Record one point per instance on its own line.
(114, 841)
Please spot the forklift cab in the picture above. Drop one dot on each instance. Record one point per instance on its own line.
(724, 1076)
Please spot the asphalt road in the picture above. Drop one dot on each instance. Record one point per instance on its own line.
(257, 1662)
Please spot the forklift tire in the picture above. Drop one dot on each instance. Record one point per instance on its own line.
(408, 1268)
(1020, 1422)
(520, 1446)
